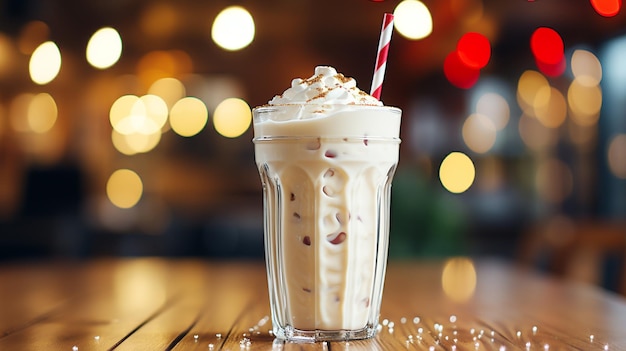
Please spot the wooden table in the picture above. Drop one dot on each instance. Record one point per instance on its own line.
(161, 304)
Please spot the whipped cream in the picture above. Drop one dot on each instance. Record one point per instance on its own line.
(326, 91)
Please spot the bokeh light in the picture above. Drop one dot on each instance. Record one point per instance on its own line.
(459, 74)
(45, 63)
(146, 115)
(494, 106)
(547, 45)
(617, 156)
(412, 19)
(457, 172)
(169, 89)
(585, 102)
(120, 110)
(459, 279)
(552, 113)
(474, 50)
(232, 117)
(552, 69)
(120, 143)
(155, 110)
(586, 67)
(17, 110)
(479, 133)
(233, 28)
(42, 113)
(135, 143)
(188, 116)
(607, 8)
(124, 188)
(529, 84)
(104, 48)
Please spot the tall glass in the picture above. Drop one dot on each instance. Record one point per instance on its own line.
(326, 196)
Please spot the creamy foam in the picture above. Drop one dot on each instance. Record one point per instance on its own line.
(324, 93)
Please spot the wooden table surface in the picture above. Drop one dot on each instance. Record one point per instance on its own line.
(163, 304)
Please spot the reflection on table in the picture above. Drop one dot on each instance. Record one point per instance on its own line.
(160, 304)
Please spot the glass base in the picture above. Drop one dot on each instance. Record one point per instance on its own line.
(290, 333)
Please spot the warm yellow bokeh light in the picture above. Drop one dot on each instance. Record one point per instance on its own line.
(585, 102)
(457, 172)
(551, 113)
(135, 143)
(494, 106)
(104, 48)
(188, 116)
(586, 67)
(45, 63)
(155, 110)
(121, 109)
(120, 143)
(124, 188)
(233, 28)
(168, 89)
(18, 112)
(142, 143)
(458, 279)
(412, 19)
(146, 115)
(141, 285)
(479, 133)
(617, 156)
(232, 117)
(42, 113)
(529, 85)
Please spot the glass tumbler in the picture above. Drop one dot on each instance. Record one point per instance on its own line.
(326, 224)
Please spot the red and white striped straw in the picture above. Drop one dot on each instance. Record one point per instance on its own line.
(381, 59)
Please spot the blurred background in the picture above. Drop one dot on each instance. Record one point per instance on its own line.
(125, 124)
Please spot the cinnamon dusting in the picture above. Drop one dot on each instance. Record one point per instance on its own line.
(312, 80)
(340, 77)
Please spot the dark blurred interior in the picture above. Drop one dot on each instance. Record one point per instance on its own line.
(549, 194)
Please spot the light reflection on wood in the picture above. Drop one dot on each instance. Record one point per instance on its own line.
(58, 306)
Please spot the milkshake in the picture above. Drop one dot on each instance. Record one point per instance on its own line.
(326, 152)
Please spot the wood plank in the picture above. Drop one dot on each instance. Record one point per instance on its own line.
(157, 304)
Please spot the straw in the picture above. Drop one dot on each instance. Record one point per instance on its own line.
(381, 59)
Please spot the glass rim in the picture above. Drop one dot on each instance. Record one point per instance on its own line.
(270, 108)
(287, 138)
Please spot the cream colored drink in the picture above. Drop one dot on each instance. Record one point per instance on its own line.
(326, 152)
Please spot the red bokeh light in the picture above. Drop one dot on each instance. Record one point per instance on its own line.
(547, 46)
(607, 8)
(474, 50)
(552, 70)
(458, 73)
